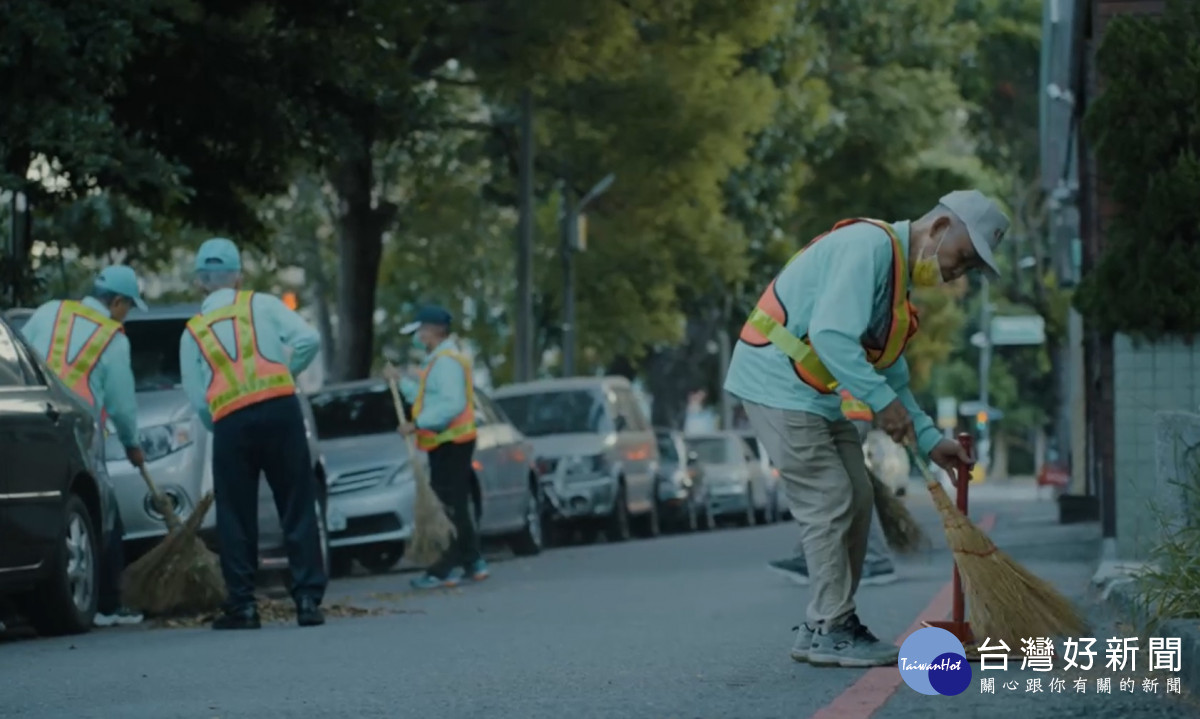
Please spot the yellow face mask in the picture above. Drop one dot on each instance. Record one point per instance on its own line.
(927, 271)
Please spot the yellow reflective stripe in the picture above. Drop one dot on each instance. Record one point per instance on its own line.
(73, 371)
(250, 386)
(90, 354)
(245, 334)
(792, 346)
(212, 349)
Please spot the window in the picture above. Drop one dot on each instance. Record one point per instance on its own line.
(667, 450)
(154, 352)
(11, 372)
(563, 412)
(354, 413)
(494, 414)
(713, 450)
(482, 416)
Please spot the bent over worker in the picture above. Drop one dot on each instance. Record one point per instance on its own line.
(443, 419)
(242, 384)
(838, 316)
(84, 343)
(878, 567)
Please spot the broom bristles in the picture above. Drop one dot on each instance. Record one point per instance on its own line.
(433, 531)
(901, 529)
(178, 576)
(1005, 601)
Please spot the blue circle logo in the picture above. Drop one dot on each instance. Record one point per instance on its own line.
(932, 661)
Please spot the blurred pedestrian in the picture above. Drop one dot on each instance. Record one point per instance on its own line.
(241, 381)
(878, 567)
(838, 316)
(443, 419)
(84, 343)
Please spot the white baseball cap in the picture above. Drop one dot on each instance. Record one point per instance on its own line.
(986, 222)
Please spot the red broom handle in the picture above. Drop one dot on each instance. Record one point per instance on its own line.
(961, 490)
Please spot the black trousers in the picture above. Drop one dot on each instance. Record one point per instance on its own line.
(450, 477)
(108, 599)
(267, 438)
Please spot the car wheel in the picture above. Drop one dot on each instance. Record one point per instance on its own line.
(649, 524)
(380, 558)
(692, 522)
(528, 541)
(65, 601)
(616, 529)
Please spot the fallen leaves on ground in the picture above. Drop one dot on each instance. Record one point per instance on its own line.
(279, 611)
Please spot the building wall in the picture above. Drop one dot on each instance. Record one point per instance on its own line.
(1164, 376)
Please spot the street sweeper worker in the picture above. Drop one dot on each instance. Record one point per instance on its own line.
(443, 420)
(837, 316)
(84, 343)
(878, 567)
(240, 378)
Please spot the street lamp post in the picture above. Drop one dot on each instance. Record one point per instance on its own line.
(570, 245)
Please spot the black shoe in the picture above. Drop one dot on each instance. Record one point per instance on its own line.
(239, 618)
(308, 612)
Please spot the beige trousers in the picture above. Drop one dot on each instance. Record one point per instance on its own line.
(825, 478)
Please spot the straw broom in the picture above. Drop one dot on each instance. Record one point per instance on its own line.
(1004, 600)
(180, 575)
(901, 529)
(433, 531)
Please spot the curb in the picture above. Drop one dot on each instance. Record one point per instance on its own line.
(1119, 594)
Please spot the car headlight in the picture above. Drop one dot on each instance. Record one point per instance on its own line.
(159, 441)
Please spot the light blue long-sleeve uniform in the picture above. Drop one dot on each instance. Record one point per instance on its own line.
(445, 389)
(111, 380)
(828, 297)
(275, 327)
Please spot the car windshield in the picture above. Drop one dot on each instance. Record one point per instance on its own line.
(666, 449)
(711, 450)
(354, 413)
(567, 412)
(154, 349)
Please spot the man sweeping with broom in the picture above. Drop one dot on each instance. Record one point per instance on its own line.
(838, 317)
(240, 381)
(85, 345)
(443, 420)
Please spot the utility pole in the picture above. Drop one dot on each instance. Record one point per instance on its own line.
(523, 345)
(984, 446)
(570, 245)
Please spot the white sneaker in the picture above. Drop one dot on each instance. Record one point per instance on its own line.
(121, 617)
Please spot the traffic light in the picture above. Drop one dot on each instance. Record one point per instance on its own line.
(981, 420)
(289, 300)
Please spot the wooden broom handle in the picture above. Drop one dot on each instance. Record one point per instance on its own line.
(160, 501)
(418, 470)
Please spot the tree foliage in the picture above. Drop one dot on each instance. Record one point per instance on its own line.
(1145, 137)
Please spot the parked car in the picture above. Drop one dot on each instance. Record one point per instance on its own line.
(371, 487)
(178, 448)
(682, 496)
(595, 450)
(777, 506)
(737, 484)
(54, 503)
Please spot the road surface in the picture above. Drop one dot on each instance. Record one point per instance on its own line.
(684, 627)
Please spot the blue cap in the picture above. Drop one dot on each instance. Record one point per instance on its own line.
(428, 315)
(218, 255)
(121, 280)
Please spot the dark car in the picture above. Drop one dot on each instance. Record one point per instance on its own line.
(53, 502)
(682, 497)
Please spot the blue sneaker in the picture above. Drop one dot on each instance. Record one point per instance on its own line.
(478, 570)
(428, 581)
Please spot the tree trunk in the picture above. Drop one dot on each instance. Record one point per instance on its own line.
(360, 224)
(672, 374)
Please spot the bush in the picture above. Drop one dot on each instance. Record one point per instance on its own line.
(1145, 131)
(1169, 586)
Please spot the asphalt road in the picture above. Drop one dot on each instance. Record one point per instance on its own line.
(683, 626)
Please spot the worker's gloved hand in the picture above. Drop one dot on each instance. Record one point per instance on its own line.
(135, 455)
(894, 420)
(949, 454)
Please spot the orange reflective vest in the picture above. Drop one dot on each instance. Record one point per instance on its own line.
(249, 377)
(462, 428)
(767, 324)
(76, 373)
(854, 409)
